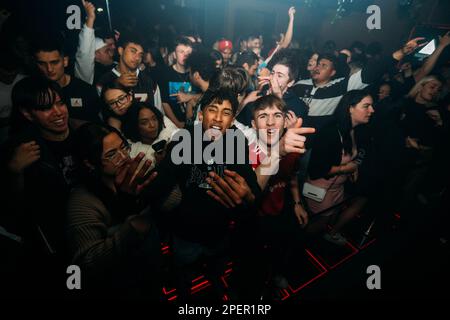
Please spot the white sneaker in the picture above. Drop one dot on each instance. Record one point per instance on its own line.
(337, 238)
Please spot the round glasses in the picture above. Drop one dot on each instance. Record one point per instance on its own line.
(118, 156)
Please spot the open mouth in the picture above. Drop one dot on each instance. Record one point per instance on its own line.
(272, 132)
(215, 132)
(59, 122)
(216, 128)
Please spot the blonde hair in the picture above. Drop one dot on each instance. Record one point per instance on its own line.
(419, 85)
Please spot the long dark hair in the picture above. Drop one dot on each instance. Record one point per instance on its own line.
(342, 116)
(131, 127)
(88, 145)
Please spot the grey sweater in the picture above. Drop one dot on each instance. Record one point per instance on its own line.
(94, 242)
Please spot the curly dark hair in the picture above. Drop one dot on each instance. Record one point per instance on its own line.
(131, 127)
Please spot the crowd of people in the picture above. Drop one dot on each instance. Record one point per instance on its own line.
(91, 149)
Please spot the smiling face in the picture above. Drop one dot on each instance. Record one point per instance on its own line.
(216, 118)
(118, 100)
(52, 121)
(269, 123)
(361, 112)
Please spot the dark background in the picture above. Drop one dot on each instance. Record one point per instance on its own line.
(316, 20)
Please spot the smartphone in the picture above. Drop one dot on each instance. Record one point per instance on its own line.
(159, 146)
(264, 90)
(427, 50)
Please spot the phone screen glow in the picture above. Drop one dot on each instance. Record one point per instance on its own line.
(429, 48)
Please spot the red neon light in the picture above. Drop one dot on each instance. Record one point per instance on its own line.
(199, 286)
(308, 282)
(316, 260)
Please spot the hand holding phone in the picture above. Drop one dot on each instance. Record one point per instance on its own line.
(159, 146)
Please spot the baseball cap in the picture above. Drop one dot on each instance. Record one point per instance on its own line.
(225, 44)
(99, 43)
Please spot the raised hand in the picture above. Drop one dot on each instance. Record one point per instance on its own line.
(231, 190)
(275, 87)
(182, 97)
(24, 156)
(348, 54)
(252, 96)
(116, 35)
(294, 140)
(264, 72)
(263, 80)
(130, 179)
(444, 40)
(128, 79)
(291, 12)
(89, 8)
(412, 45)
(291, 119)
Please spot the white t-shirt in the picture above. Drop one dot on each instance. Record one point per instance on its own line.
(165, 134)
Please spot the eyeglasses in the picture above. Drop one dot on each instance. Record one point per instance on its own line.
(120, 101)
(118, 156)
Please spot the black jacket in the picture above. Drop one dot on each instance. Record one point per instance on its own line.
(327, 148)
(41, 210)
(199, 218)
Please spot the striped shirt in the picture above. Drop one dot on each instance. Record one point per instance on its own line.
(322, 101)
